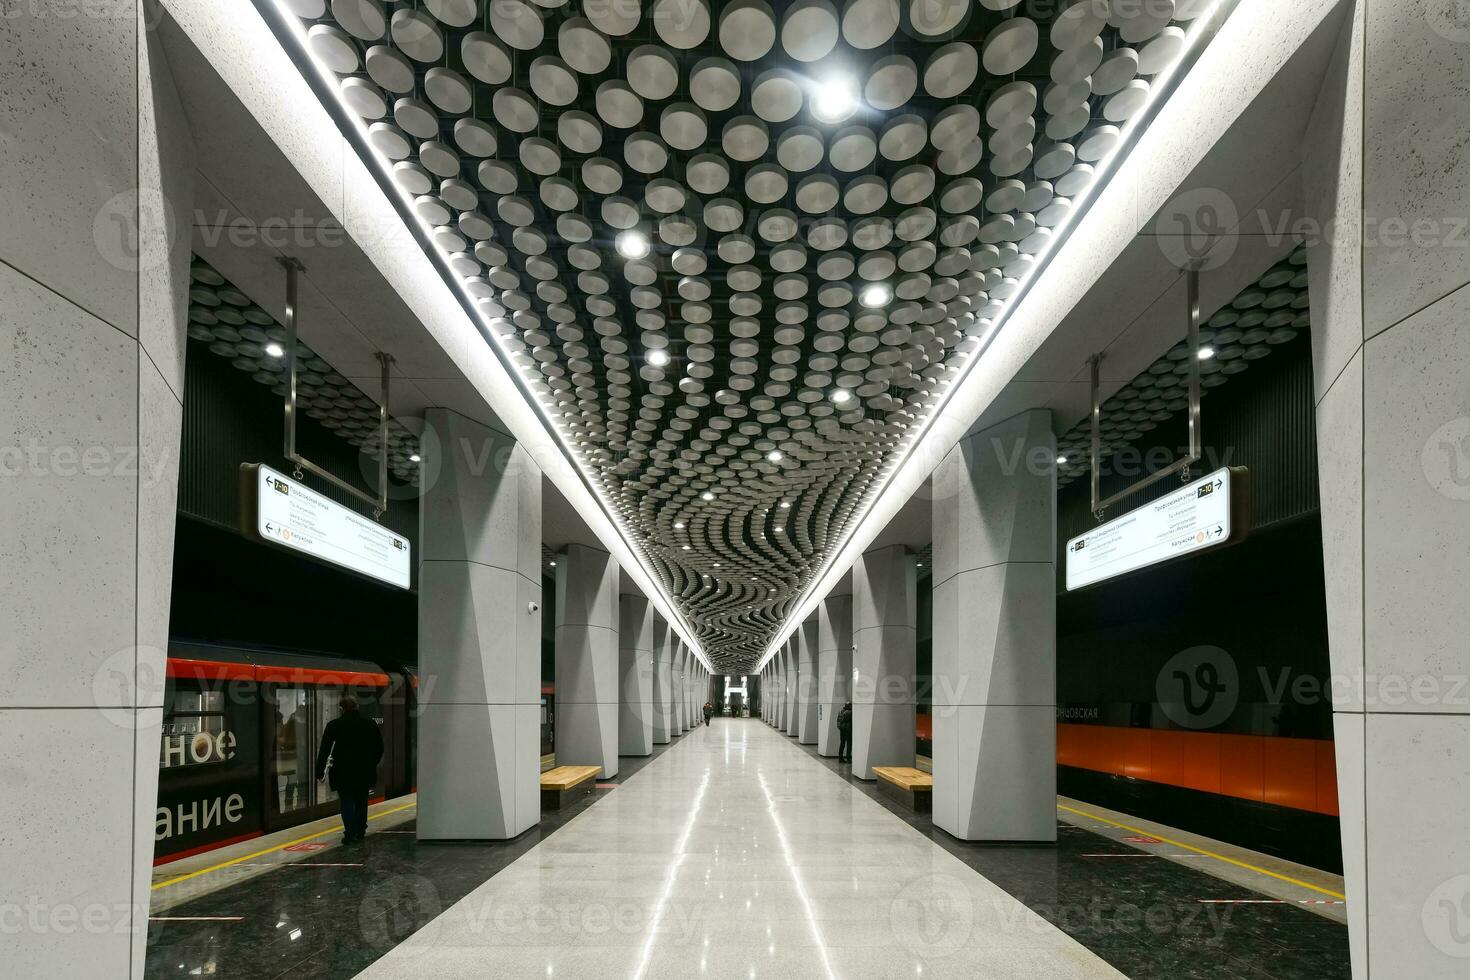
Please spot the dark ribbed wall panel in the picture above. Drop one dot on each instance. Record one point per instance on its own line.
(230, 419)
(1262, 419)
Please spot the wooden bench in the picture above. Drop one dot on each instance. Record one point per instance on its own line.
(564, 784)
(907, 785)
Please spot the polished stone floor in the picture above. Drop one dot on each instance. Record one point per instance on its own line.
(735, 852)
(736, 855)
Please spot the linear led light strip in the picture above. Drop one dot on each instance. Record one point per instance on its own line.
(285, 24)
(1204, 26)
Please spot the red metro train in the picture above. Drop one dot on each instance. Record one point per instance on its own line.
(238, 754)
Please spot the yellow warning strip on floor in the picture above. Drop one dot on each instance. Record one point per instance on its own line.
(1201, 851)
(271, 850)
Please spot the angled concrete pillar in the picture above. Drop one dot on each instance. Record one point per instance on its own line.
(663, 682)
(994, 643)
(834, 667)
(778, 689)
(883, 634)
(681, 654)
(587, 684)
(635, 666)
(94, 280)
(806, 682)
(1390, 299)
(479, 635)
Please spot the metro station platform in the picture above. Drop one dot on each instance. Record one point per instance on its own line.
(736, 852)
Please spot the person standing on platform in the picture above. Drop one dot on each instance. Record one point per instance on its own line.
(348, 760)
(709, 710)
(844, 733)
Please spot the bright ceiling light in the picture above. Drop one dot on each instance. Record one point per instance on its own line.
(835, 98)
(633, 245)
(1205, 353)
(275, 350)
(707, 496)
(841, 396)
(415, 458)
(1061, 461)
(678, 525)
(775, 456)
(785, 505)
(875, 295)
(685, 548)
(658, 357)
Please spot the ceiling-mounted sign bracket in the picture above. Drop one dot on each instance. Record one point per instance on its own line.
(379, 504)
(1180, 466)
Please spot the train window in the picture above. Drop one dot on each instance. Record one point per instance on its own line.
(195, 729)
(293, 753)
(302, 714)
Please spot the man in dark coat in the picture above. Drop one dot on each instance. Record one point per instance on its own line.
(350, 750)
(844, 733)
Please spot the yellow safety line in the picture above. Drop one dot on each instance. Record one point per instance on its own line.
(272, 850)
(1200, 850)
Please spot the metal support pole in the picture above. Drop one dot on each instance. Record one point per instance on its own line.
(379, 503)
(1181, 466)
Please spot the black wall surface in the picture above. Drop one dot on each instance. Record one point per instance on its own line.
(1261, 603)
(228, 589)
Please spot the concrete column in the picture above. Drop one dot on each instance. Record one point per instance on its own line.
(635, 665)
(994, 641)
(884, 617)
(663, 682)
(834, 668)
(1390, 297)
(806, 682)
(479, 634)
(587, 684)
(96, 191)
(768, 694)
(677, 691)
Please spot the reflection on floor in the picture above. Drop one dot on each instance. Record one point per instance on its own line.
(737, 853)
(1149, 918)
(326, 923)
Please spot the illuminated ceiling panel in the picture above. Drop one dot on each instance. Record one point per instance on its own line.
(739, 251)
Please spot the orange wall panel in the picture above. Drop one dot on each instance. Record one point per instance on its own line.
(1241, 767)
(1289, 772)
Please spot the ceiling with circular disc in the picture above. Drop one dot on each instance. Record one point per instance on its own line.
(739, 250)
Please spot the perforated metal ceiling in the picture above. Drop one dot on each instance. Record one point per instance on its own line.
(737, 249)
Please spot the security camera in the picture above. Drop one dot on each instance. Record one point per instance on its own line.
(533, 607)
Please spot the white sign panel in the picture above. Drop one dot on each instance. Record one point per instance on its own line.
(291, 514)
(1190, 519)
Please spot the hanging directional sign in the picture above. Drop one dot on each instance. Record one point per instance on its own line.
(287, 513)
(1204, 514)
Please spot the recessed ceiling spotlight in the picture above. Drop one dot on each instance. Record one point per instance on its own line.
(658, 357)
(678, 525)
(707, 495)
(875, 295)
(785, 505)
(1061, 461)
(835, 98)
(779, 529)
(274, 349)
(415, 458)
(775, 456)
(633, 244)
(841, 396)
(1205, 353)
(685, 548)
(553, 563)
